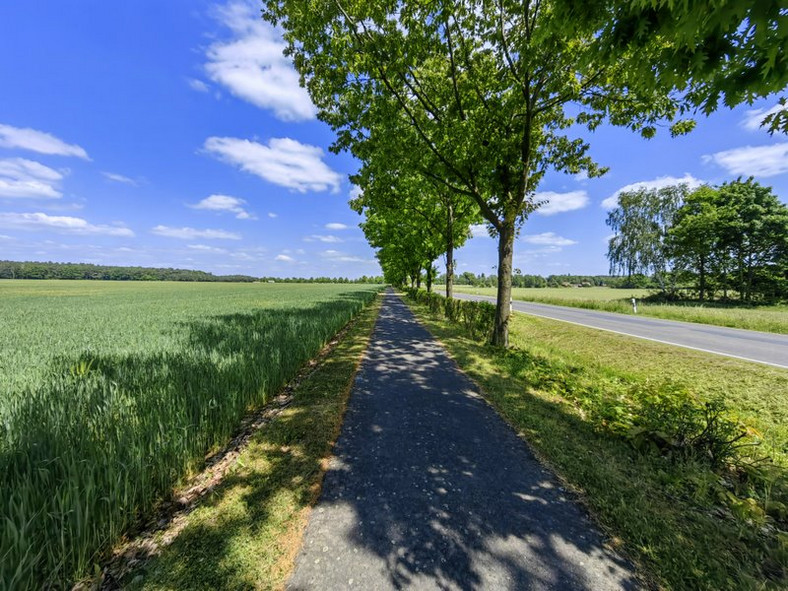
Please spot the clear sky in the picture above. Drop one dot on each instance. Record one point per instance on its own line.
(173, 133)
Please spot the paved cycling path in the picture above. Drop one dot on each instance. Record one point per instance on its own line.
(430, 489)
(750, 345)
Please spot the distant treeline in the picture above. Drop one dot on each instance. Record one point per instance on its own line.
(520, 280)
(37, 270)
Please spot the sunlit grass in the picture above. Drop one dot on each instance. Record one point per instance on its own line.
(111, 393)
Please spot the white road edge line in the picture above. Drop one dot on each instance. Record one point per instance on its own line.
(635, 336)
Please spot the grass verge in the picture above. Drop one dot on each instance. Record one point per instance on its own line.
(245, 533)
(762, 318)
(690, 526)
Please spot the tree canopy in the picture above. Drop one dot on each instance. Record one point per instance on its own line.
(482, 97)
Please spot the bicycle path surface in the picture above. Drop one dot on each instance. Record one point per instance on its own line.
(430, 489)
(749, 345)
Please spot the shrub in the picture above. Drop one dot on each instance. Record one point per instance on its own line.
(475, 317)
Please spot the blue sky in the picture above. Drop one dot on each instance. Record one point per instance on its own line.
(175, 134)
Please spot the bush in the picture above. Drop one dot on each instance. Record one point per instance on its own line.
(475, 317)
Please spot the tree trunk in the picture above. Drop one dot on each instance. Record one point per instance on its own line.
(429, 278)
(450, 252)
(500, 335)
(702, 278)
(418, 279)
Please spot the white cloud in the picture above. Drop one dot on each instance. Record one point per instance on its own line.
(192, 233)
(198, 85)
(754, 118)
(658, 183)
(356, 192)
(251, 64)
(207, 249)
(328, 238)
(561, 202)
(341, 257)
(272, 215)
(283, 162)
(548, 239)
(119, 178)
(38, 141)
(336, 226)
(763, 161)
(66, 224)
(283, 258)
(21, 178)
(225, 203)
(480, 231)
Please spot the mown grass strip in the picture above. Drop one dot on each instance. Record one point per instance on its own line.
(559, 385)
(246, 532)
(762, 318)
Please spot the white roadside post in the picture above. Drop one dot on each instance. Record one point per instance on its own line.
(634, 305)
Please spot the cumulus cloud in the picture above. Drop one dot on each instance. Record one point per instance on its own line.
(21, 178)
(356, 192)
(193, 234)
(119, 178)
(762, 161)
(24, 138)
(753, 119)
(283, 161)
(336, 226)
(561, 202)
(225, 203)
(283, 258)
(658, 183)
(548, 239)
(329, 238)
(251, 65)
(272, 215)
(64, 224)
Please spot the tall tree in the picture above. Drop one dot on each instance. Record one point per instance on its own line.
(641, 223)
(474, 92)
(694, 239)
(754, 227)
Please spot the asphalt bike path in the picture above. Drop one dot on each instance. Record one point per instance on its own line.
(430, 489)
(749, 345)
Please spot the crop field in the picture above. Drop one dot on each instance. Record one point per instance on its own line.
(763, 318)
(111, 393)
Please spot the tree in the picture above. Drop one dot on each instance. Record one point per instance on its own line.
(725, 50)
(641, 223)
(694, 241)
(753, 226)
(411, 199)
(470, 93)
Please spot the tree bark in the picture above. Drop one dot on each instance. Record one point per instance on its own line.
(429, 278)
(702, 271)
(500, 335)
(450, 252)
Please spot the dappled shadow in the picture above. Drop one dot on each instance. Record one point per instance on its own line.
(430, 489)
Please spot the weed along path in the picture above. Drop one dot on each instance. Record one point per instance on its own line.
(430, 489)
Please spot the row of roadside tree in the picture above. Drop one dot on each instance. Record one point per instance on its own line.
(457, 109)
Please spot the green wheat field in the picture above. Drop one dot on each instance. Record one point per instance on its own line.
(112, 393)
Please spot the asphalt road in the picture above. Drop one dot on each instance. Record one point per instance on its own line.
(430, 489)
(750, 345)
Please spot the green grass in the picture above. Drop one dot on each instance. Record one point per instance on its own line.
(567, 389)
(111, 393)
(246, 533)
(763, 318)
